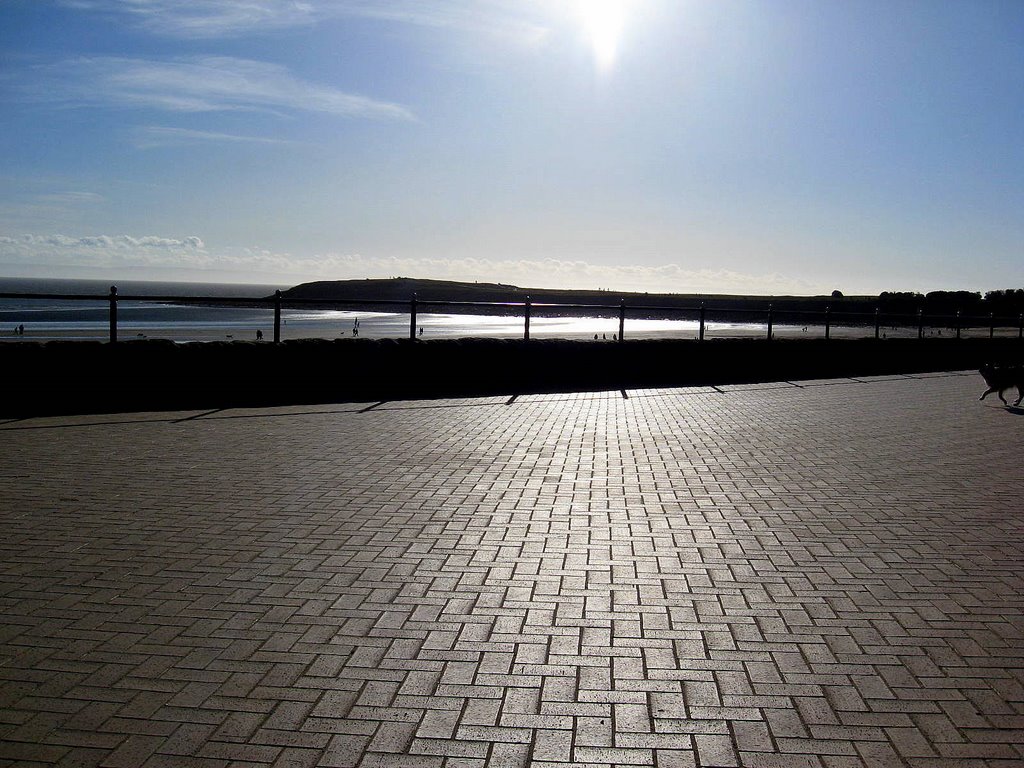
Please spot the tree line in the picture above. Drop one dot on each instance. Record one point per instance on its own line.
(1005, 301)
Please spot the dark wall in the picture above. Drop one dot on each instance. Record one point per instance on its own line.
(84, 377)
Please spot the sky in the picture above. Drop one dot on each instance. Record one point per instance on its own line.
(690, 146)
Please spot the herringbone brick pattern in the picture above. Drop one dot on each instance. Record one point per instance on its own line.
(826, 575)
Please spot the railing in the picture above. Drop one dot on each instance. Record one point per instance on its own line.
(771, 316)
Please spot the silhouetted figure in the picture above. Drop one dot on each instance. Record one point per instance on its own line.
(604, 336)
(421, 330)
(595, 337)
(615, 337)
(21, 329)
(259, 335)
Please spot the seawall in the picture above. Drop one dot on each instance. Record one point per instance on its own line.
(61, 377)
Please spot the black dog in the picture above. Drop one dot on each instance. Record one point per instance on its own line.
(1000, 378)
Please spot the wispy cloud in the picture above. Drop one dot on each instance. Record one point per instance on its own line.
(114, 251)
(47, 207)
(156, 136)
(206, 18)
(74, 198)
(522, 19)
(204, 84)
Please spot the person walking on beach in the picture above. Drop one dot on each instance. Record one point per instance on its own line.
(259, 335)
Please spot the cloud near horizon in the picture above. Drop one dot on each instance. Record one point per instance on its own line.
(103, 251)
(192, 256)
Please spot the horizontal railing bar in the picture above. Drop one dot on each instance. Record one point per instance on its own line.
(61, 296)
(891, 317)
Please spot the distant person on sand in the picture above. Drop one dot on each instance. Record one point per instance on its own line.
(259, 335)
(21, 329)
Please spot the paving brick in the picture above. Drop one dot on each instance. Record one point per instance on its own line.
(777, 576)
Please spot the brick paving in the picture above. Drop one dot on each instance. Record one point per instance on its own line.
(824, 576)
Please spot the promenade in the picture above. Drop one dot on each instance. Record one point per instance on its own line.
(822, 575)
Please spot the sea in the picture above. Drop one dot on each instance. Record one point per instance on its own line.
(49, 319)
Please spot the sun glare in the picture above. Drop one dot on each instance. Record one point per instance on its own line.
(603, 21)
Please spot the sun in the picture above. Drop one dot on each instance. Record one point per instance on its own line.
(603, 21)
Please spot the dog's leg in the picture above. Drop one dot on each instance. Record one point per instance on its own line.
(1001, 396)
(1020, 396)
(986, 393)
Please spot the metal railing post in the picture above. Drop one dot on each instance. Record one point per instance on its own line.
(526, 320)
(769, 322)
(412, 318)
(113, 314)
(920, 323)
(1020, 327)
(878, 321)
(991, 325)
(277, 317)
(828, 322)
(958, 323)
(700, 332)
(622, 320)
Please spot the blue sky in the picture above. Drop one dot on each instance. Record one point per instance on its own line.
(780, 146)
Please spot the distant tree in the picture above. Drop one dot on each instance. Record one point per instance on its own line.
(1009, 294)
(1008, 300)
(837, 294)
(900, 296)
(950, 298)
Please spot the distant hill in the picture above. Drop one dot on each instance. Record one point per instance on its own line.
(938, 303)
(402, 289)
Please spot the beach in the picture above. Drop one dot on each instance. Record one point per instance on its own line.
(87, 319)
(460, 326)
